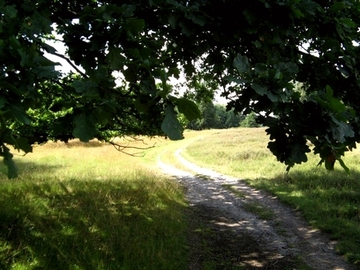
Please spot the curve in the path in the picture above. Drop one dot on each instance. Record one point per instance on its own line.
(287, 234)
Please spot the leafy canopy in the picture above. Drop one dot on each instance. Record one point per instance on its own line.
(294, 63)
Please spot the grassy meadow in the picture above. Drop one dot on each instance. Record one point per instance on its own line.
(329, 200)
(88, 206)
(82, 206)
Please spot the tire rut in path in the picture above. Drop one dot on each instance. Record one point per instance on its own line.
(253, 243)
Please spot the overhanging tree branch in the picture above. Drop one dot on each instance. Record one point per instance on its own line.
(70, 63)
(122, 147)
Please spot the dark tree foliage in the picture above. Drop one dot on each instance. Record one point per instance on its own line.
(256, 51)
(228, 118)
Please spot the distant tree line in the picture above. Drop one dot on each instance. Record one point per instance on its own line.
(216, 116)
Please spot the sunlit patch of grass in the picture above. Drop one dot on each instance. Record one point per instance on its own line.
(165, 149)
(76, 207)
(238, 193)
(259, 210)
(329, 200)
(233, 151)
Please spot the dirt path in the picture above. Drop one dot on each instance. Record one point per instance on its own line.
(237, 227)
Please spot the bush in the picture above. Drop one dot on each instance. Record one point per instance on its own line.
(250, 121)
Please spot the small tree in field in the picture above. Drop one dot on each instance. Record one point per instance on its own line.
(250, 121)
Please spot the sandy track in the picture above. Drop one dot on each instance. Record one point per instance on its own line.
(285, 235)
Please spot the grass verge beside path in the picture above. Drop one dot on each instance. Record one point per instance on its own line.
(76, 207)
(330, 201)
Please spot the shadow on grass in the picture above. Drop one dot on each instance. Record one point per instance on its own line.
(90, 225)
(28, 168)
(329, 201)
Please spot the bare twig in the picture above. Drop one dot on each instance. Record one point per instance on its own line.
(70, 63)
(122, 147)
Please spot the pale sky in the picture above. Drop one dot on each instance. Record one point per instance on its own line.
(66, 67)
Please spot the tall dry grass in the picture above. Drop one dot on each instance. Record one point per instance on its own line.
(80, 207)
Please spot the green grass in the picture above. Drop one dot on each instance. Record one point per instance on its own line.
(234, 190)
(90, 208)
(259, 210)
(328, 200)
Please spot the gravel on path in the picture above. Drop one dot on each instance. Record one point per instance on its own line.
(254, 242)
